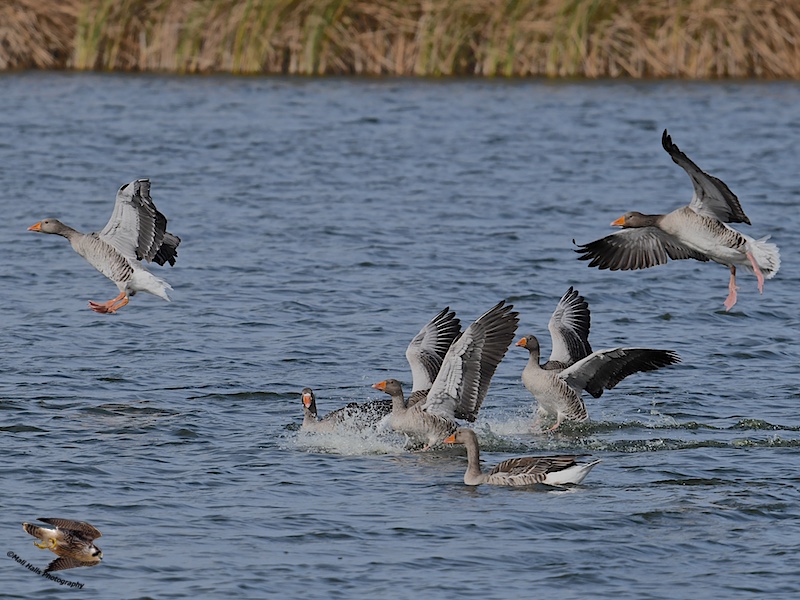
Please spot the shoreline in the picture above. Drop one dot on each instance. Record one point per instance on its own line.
(552, 39)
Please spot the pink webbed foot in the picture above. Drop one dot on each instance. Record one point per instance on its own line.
(111, 306)
(731, 299)
(99, 308)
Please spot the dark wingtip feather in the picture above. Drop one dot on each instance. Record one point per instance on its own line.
(168, 251)
(666, 141)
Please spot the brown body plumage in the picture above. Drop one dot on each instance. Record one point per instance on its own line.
(71, 540)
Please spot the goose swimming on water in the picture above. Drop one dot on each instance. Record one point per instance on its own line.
(136, 232)
(526, 470)
(698, 231)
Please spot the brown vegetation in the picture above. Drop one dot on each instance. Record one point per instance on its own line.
(553, 38)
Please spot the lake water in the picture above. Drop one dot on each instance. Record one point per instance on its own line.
(324, 221)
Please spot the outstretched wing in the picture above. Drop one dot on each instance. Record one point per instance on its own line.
(604, 369)
(469, 364)
(427, 350)
(635, 248)
(67, 562)
(137, 229)
(569, 329)
(712, 198)
(86, 530)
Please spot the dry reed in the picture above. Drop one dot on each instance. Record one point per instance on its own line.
(553, 38)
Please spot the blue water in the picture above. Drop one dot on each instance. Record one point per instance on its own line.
(324, 221)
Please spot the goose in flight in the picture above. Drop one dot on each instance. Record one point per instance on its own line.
(136, 232)
(699, 230)
(573, 367)
(526, 470)
(462, 382)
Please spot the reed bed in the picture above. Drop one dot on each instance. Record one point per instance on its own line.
(514, 38)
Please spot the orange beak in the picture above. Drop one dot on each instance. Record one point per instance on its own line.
(306, 400)
(37, 227)
(523, 342)
(450, 439)
(380, 386)
(619, 222)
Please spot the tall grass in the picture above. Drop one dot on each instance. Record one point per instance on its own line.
(553, 38)
(36, 33)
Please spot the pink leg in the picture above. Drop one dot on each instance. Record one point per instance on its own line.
(559, 418)
(111, 306)
(536, 426)
(759, 274)
(731, 299)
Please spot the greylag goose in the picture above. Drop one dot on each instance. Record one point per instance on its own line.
(425, 353)
(136, 232)
(527, 470)
(573, 367)
(73, 541)
(353, 415)
(697, 231)
(463, 380)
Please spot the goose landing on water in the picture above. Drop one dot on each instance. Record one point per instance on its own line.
(425, 354)
(696, 231)
(573, 367)
(462, 381)
(136, 232)
(527, 470)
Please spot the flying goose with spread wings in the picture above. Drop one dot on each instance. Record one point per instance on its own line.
(699, 230)
(136, 232)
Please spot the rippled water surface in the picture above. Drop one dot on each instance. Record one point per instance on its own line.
(324, 221)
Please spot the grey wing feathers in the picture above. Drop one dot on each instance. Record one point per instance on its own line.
(569, 329)
(635, 248)
(467, 369)
(534, 465)
(81, 527)
(416, 397)
(499, 325)
(711, 196)
(428, 348)
(604, 369)
(137, 229)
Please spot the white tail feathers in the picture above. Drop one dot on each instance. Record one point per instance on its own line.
(145, 281)
(766, 255)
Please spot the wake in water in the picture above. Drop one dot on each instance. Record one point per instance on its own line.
(511, 432)
(349, 439)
